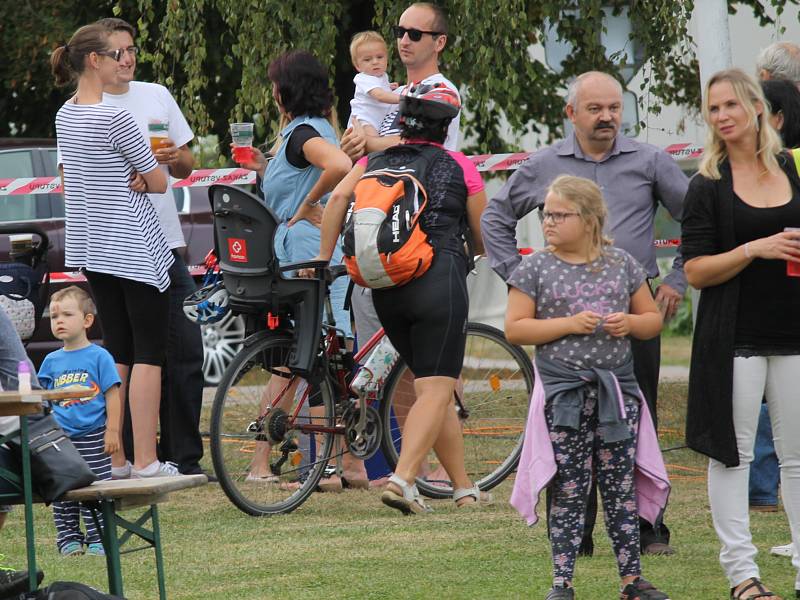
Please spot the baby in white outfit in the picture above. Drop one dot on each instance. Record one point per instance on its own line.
(374, 96)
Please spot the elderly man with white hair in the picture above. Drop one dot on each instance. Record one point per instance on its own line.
(780, 60)
(635, 178)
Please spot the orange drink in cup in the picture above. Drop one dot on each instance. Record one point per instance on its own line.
(159, 134)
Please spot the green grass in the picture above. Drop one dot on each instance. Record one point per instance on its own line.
(676, 350)
(350, 546)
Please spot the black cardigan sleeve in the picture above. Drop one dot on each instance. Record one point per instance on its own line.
(700, 225)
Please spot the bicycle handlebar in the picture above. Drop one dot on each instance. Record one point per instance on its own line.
(322, 268)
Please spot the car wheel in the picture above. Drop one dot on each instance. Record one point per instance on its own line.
(221, 342)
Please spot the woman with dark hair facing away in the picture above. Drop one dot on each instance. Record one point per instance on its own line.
(746, 344)
(425, 319)
(113, 232)
(307, 165)
(784, 106)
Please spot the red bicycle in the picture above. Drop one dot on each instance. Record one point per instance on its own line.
(285, 407)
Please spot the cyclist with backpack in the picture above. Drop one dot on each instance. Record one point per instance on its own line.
(415, 205)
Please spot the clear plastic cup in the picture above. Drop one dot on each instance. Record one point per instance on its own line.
(242, 135)
(158, 131)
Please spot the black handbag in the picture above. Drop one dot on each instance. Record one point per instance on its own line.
(56, 465)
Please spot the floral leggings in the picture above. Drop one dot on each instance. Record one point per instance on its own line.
(576, 452)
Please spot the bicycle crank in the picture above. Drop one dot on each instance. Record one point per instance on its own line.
(362, 435)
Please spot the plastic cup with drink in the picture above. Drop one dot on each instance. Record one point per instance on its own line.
(159, 135)
(792, 268)
(242, 135)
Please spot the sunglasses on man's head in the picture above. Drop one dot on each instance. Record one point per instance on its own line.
(119, 52)
(414, 35)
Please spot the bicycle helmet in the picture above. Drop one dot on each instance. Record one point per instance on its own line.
(207, 305)
(430, 101)
(426, 110)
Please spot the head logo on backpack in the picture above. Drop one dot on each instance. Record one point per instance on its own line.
(384, 244)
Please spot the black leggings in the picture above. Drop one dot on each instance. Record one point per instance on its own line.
(134, 317)
(426, 320)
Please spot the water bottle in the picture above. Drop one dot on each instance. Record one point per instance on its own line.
(372, 375)
(24, 377)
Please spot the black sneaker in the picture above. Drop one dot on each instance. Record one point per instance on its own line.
(198, 471)
(560, 592)
(13, 583)
(641, 589)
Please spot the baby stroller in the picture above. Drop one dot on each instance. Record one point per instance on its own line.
(25, 278)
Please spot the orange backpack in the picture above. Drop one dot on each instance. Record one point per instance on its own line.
(383, 241)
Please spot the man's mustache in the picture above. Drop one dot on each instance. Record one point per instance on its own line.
(608, 125)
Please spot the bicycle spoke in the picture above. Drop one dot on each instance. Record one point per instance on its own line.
(266, 458)
(495, 386)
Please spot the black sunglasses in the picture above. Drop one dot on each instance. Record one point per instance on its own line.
(118, 53)
(414, 35)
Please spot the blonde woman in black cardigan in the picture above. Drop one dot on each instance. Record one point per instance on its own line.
(747, 340)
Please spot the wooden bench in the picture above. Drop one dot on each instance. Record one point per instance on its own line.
(22, 405)
(109, 498)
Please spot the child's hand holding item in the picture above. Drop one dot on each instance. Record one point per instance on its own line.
(585, 322)
(617, 324)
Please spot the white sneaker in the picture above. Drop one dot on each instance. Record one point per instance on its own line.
(157, 469)
(121, 472)
(782, 550)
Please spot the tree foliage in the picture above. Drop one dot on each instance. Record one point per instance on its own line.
(213, 54)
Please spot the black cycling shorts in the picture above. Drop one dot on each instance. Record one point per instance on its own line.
(426, 320)
(134, 317)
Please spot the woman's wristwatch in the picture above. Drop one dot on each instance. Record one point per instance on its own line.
(312, 203)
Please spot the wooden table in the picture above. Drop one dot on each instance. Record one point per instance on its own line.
(22, 405)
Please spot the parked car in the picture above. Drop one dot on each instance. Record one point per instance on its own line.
(28, 157)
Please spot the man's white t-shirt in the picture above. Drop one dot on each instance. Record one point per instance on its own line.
(151, 101)
(364, 107)
(391, 122)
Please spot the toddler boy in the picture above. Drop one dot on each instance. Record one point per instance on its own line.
(373, 96)
(92, 423)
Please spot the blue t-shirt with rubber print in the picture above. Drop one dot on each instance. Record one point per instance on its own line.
(91, 367)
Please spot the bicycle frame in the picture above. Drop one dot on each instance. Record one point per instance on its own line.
(331, 342)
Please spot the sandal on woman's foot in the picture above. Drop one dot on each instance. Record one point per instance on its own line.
(641, 589)
(330, 482)
(252, 478)
(349, 483)
(473, 492)
(560, 592)
(754, 585)
(407, 501)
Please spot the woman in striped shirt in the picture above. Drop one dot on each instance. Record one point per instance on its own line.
(112, 229)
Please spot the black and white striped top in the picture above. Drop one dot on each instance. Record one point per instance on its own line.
(109, 228)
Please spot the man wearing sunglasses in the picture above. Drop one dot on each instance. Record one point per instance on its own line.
(634, 178)
(182, 393)
(421, 37)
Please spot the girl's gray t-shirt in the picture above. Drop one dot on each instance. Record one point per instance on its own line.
(561, 289)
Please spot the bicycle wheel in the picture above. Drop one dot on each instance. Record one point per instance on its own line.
(266, 461)
(495, 388)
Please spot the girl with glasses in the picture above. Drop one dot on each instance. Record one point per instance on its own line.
(579, 301)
